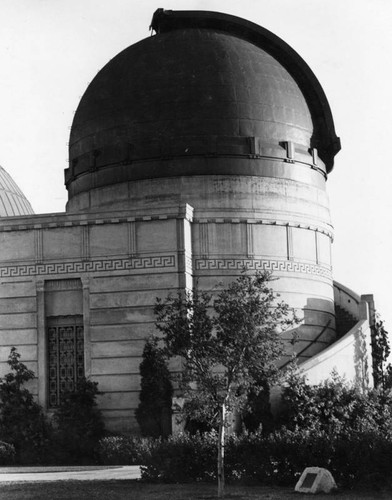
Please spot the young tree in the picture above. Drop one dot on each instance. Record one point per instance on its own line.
(227, 346)
(154, 411)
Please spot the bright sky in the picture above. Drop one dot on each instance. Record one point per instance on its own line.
(51, 49)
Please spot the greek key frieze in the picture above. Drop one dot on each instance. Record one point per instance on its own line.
(261, 265)
(150, 262)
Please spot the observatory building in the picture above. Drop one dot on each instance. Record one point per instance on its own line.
(194, 153)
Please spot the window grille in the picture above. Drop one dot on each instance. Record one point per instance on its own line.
(65, 355)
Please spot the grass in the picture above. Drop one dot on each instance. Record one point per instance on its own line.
(135, 490)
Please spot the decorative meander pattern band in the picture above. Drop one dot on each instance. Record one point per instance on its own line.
(262, 265)
(160, 262)
(152, 262)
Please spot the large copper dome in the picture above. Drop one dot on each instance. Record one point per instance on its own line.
(211, 93)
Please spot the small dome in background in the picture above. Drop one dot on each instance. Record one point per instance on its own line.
(12, 201)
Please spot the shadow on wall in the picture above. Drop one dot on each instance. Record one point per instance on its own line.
(316, 332)
(362, 353)
(350, 355)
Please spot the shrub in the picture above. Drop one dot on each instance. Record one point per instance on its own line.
(22, 422)
(123, 450)
(330, 425)
(336, 426)
(79, 424)
(278, 458)
(154, 411)
(334, 406)
(7, 453)
(181, 459)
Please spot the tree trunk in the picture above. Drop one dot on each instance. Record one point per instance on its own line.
(221, 451)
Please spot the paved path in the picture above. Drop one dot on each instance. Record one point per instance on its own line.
(110, 473)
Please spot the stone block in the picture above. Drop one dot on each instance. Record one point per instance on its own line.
(120, 383)
(18, 321)
(16, 245)
(14, 290)
(270, 240)
(324, 249)
(64, 303)
(118, 400)
(18, 305)
(136, 298)
(62, 242)
(18, 337)
(27, 353)
(304, 244)
(226, 239)
(134, 282)
(126, 316)
(108, 239)
(315, 480)
(121, 332)
(117, 348)
(115, 366)
(156, 235)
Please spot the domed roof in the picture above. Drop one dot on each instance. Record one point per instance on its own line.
(200, 88)
(12, 200)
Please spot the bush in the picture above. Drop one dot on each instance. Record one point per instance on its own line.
(181, 459)
(336, 426)
(154, 411)
(123, 450)
(334, 407)
(7, 454)
(278, 458)
(22, 422)
(79, 424)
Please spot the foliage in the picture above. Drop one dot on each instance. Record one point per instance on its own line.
(22, 423)
(345, 430)
(382, 372)
(7, 453)
(154, 411)
(257, 414)
(79, 424)
(181, 459)
(123, 450)
(227, 352)
(278, 458)
(330, 425)
(334, 406)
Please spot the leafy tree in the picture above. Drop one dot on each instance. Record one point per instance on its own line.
(22, 422)
(226, 345)
(382, 371)
(79, 423)
(154, 411)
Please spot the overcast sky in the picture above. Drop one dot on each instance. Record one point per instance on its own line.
(51, 49)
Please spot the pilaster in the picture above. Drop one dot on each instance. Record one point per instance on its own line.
(42, 344)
